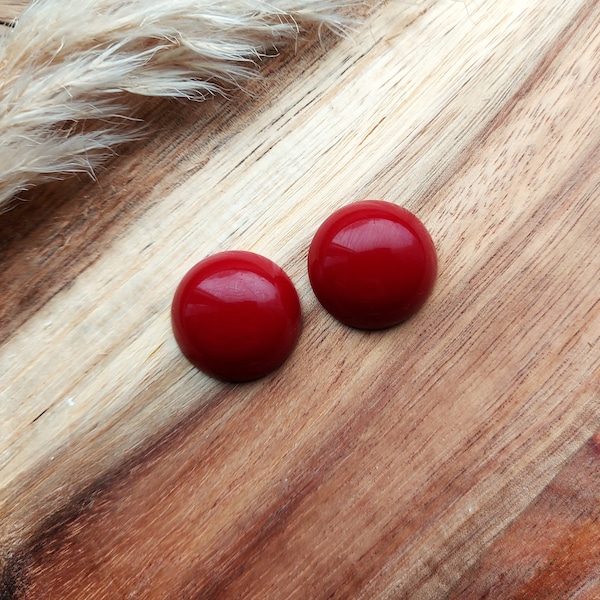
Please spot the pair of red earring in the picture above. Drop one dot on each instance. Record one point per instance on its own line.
(236, 315)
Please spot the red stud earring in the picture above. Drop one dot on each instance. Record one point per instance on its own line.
(372, 264)
(236, 316)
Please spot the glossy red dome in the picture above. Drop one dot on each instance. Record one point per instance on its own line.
(372, 264)
(236, 316)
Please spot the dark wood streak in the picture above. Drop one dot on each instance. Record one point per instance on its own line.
(10, 589)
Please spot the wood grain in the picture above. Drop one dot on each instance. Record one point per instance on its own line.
(378, 465)
(553, 549)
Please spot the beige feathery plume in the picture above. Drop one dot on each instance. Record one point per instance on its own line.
(69, 62)
(10, 10)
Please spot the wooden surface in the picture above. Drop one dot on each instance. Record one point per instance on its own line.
(450, 457)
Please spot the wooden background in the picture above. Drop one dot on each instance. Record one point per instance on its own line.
(451, 457)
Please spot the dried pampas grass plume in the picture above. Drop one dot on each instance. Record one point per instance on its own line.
(66, 64)
(10, 10)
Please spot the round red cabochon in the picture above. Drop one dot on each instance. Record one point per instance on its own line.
(372, 264)
(236, 316)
